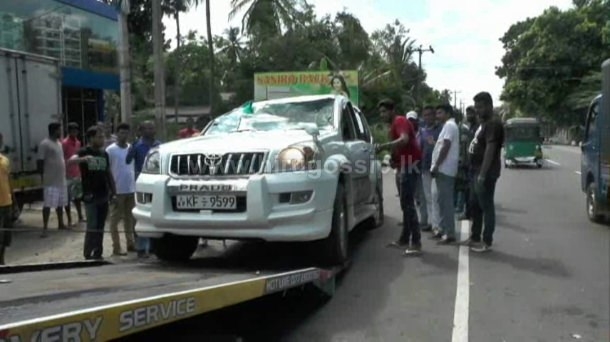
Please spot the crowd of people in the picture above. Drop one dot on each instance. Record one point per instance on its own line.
(99, 175)
(445, 165)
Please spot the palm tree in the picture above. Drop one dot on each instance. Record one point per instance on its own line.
(177, 7)
(264, 16)
(212, 56)
(232, 45)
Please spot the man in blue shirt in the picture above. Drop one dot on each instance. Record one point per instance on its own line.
(142, 146)
(137, 154)
(429, 132)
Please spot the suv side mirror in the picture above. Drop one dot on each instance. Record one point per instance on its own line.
(313, 131)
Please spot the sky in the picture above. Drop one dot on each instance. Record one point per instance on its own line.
(464, 34)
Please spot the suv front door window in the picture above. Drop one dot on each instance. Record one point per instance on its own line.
(359, 152)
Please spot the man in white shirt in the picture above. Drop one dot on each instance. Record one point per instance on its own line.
(445, 159)
(124, 178)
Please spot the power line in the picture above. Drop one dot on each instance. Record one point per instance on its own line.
(420, 50)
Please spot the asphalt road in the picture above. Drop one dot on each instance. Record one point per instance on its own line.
(547, 279)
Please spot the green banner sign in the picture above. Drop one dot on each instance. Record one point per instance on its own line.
(274, 85)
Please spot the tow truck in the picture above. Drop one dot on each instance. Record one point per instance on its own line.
(101, 300)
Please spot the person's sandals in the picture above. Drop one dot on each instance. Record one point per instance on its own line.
(445, 240)
(480, 248)
(413, 250)
(436, 235)
(468, 243)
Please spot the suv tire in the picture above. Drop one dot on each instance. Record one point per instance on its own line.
(334, 250)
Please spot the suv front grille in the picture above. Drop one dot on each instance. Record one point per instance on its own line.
(228, 164)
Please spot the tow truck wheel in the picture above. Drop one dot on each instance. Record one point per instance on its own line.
(592, 209)
(378, 218)
(175, 247)
(334, 249)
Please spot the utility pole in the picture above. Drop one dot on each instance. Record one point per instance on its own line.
(455, 92)
(124, 65)
(420, 50)
(157, 39)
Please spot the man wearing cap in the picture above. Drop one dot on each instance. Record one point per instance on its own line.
(420, 199)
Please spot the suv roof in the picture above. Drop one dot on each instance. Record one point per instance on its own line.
(304, 98)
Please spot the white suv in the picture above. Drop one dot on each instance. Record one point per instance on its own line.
(294, 169)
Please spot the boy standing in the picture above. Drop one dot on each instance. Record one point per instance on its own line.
(98, 190)
(125, 180)
(136, 155)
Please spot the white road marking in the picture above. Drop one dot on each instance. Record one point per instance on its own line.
(553, 162)
(577, 172)
(462, 293)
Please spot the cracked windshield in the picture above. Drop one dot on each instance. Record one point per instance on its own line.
(305, 170)
(294, 114)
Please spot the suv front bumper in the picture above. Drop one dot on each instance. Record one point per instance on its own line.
(265, 211)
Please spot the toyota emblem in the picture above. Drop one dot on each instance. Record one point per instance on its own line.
(212, 161)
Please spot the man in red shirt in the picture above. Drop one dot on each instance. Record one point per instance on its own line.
(71, 145)
(404, 145)
(189, 131)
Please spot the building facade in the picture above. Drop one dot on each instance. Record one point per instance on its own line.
(82, 34)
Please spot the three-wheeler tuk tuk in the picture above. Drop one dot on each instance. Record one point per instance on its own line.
(523, 142)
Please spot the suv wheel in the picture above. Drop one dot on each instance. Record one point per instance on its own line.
(175, 247)
(334, 249)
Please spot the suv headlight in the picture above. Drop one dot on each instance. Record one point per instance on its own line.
(152, 163)
(296, 158)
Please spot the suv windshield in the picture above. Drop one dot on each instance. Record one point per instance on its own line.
(276, 116)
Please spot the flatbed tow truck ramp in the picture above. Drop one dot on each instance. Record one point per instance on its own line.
(89, 301)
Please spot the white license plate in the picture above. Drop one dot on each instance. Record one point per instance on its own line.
(206, 202)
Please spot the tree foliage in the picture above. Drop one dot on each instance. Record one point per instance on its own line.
(552, 62)
(278, 35)
(383, 58)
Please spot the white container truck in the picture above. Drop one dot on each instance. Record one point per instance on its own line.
(30, 98)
